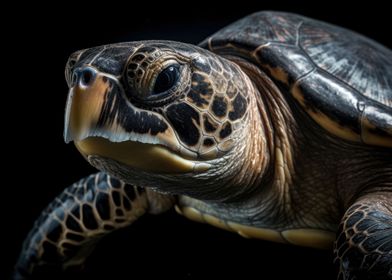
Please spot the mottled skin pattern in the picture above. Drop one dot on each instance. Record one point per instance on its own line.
(286, 123)
(86, 211)
(366, 231)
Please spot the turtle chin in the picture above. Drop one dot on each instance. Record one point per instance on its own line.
(151, 158)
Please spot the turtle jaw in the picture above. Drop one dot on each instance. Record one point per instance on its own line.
(97, 132)
(146, 157)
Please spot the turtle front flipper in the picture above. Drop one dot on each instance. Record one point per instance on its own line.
(73, 223)
(363, 249)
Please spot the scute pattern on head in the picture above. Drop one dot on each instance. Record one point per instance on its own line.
(186, 122)
(208, 99)
(216, 93)
(202, 103)
(201, 91)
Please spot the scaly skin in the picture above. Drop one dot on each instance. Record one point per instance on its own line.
(68, 229)
(364, 244)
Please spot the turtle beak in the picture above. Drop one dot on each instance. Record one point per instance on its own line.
(84, 104)
(101, 122)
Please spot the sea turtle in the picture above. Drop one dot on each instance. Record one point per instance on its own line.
(277, 127)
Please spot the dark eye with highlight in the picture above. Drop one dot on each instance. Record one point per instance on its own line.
(166, 79)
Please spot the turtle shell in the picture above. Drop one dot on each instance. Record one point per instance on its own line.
(342, 79)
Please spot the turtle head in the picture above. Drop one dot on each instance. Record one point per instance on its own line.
(158, 108)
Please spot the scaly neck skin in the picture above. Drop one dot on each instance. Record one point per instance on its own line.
(267, 166)
(244, 169)
(273, 194)
(308, 177)
(290, 173)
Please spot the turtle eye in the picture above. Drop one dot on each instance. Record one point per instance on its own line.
(166, 79)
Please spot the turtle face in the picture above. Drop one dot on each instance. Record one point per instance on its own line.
(156, 106)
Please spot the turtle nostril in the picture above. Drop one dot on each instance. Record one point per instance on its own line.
(87, 76)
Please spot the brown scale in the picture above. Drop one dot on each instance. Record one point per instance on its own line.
(210, 126)
(219, 107)
(201, 91)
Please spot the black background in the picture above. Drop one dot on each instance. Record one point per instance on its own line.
(38, 165)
